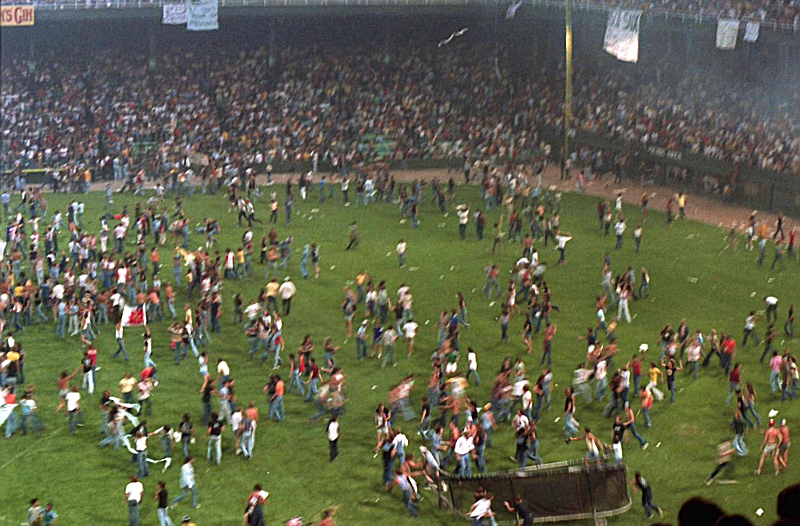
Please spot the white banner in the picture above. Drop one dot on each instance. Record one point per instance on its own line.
(202, 15)
(751, 31)
(174, 14)
(5, 412)
(622, 35)
(727, 30)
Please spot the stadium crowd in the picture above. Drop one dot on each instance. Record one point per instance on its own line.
(348, 106)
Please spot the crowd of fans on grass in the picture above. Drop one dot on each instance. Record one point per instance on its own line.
(346, 106)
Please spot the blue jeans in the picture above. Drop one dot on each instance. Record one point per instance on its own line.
(276, 409)
(632, 428)
(361, 348)
(141, 460)
(569, 427)
(75, 417)
(121, 349)
(647, 421)
(739, 446)
(732, 387)
(186, 493)
(531, 454)
(475, 374)
(296, 383)
(133, 513)
(312, 389)
(214, 442)
(774, 382)
(465, 466)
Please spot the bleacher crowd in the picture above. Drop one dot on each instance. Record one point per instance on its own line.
(348, 106)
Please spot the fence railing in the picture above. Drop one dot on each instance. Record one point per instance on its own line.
(650, 14)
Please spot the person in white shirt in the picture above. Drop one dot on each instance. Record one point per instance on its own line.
(223, 372)
(410, 333)
(771, 314)
(619, 231)
(133, 494)
(188, 483)
(464, 449)
(463, 219)
(561, 241)
(286, 291)
(481, 509)
(73, 401)
(333, 437)
(140, 444)
(401, 253)
(472, 365)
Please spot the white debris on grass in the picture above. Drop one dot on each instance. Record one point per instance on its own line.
(413, 269)
(692, 279)
(760, 512)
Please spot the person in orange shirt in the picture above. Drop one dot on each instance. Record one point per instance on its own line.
(171, 301)
(155, 305)
(154, 258)
(276, 411)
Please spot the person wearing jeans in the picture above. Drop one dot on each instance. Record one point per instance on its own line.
(739, 427)
(133, 494)
(214, 435)
(188, 483)
(163, 504)
(631, 426)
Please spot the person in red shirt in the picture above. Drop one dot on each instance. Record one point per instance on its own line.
(728, 352)
(734, 379)
(635, 367)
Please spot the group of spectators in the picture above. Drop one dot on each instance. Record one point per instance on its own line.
(346, 106)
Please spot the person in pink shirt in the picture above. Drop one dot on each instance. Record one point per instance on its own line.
(775, 364)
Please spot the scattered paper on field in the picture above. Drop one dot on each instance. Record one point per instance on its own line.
(333, 267)
(557, 419)
(314, 211)
(491, 304)
(773, 413)
(759, 512)
(658, 445)
(752, 294)
(402, 221)
(442, 225)
(770, 280)
(374, 387)
(692, 279)
(388, 254)
(413, 269)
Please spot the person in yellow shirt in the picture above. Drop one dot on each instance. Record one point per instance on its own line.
(272, 293)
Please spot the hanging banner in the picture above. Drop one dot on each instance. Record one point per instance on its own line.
(622, 35)
(751, 32)
(17, 15)
(202, 15)
(727, 30)
(174, 14)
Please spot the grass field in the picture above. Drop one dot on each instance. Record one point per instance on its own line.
(291, 458)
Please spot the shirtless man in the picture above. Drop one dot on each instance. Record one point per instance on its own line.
(783, 449)
(772, 439)
(63, 387)
(593, 444)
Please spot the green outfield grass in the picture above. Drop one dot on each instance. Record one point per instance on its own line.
(689, 280)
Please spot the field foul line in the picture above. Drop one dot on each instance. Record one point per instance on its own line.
(29, 450)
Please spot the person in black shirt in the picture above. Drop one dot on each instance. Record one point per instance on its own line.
(523, 512)
(208, 388)
(639, 483)
(163, 503)
(617, 429)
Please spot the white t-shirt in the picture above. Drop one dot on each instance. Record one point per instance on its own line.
(141, 443)
(410, 329)
(399, 439)
(134, 491)
(72, 398)
(223, 368)
(617, 451)
(482, 507)
(771, 300)
(401, 248)
(333, 431)
(464, 445)
(527, 400)
(472, 361)
(236, 421)
(463, 217)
